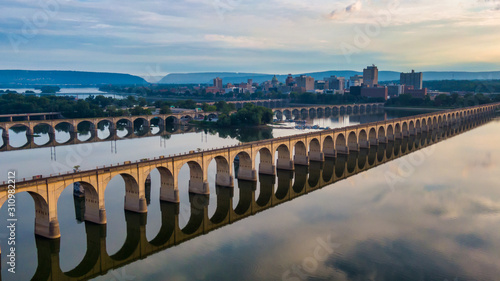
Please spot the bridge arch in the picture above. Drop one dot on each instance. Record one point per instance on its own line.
(315, 153)
(381, 133)
(329, 146)
(340, 144)
(18, 128)
(372, 135)
(284, 158)
(411, 127)
(102, 125)
(266, 165)
(156, 124)
(312, 112)
(397, 129)
(124, 124)
(141, 126)
(300, 153)
(352, 141)
(44, 128)
(363, 138)
(245, 170)
(405, 129)
(390, 132)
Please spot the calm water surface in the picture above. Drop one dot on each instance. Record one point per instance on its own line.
(430, 215)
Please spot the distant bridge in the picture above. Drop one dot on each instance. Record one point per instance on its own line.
(291, 151)
(30, 116)
(97, 261)
(270, 103)
(132, 123)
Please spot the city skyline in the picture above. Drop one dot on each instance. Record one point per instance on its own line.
(152, 39)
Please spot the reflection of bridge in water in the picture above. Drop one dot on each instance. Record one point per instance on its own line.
(327, 110)
(164, 131)
(140, 126)
(279, 153)
(273, 192)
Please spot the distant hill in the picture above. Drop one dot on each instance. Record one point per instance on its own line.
(68, 78)
(236, 77)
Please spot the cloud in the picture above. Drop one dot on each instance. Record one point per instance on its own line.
(353, 8)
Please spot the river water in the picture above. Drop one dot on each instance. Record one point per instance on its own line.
(430, 215)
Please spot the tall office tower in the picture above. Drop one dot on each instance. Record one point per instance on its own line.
(336, 83)
(218, 83)
(306, 82)
(355, 80)
(370, 76)
(414, 79)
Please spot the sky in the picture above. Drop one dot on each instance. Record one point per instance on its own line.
(154, 38)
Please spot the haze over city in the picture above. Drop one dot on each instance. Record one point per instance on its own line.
(278, 36)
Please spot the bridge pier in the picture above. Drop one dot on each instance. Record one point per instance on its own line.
(316, 156)
(199, 187)
(374, 142)
(364, 144)
(134, 204)
(169, 195)
(224, 179)
(302, 160)
(247, 174)
(46, 228)
(267, 169)
(342, 151)
(285, 164)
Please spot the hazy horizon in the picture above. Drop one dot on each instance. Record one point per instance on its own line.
(151, 38)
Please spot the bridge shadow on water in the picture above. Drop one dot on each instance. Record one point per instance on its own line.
(273, 191)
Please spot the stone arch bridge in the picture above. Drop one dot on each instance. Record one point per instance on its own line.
(288, 185)
(327, 110)
(275, 154)
(132, 123)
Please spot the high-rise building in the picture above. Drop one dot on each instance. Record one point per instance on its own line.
(306, 82)
(355, 80)
(336, 83)
(290, 81)
(218, 83)
(414, 79)
(370, 76)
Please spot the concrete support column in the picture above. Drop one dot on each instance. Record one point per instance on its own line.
(45, 227)
(343, 151)
(136, 204)
(364, 144)
(224, 179)
(374, 142)
(331, 154)
(301, 160)
(199, 187)
(285, 164)
(267, 169)
(316, 156)
(169, 195)
(247, 174)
